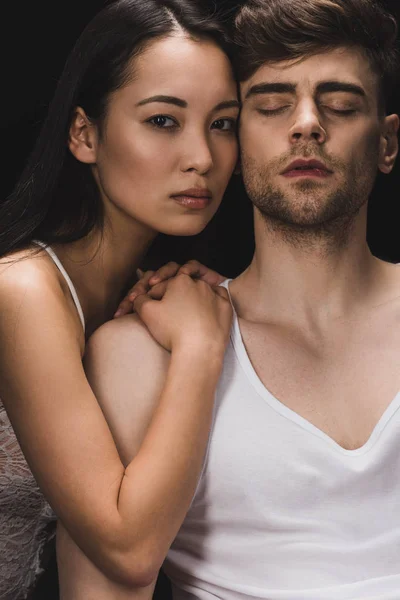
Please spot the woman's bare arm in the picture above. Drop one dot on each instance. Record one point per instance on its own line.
(113, 374)
(124, 518)
(80, 579)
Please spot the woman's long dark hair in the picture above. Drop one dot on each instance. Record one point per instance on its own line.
(56, 198)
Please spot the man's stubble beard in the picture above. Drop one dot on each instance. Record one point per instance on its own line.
(304, 220)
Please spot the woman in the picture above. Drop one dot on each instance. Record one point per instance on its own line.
(140, 139)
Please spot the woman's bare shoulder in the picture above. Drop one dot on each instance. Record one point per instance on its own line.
(33, 293)
(27, 270)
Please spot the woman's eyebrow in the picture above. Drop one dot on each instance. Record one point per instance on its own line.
(227, 104)
(165, 99)
(183, 104)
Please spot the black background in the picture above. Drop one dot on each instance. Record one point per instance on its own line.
(35, 40)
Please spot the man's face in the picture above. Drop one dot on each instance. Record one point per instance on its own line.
(312, 139)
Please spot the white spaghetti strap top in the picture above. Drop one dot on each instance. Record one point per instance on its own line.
(67, 278)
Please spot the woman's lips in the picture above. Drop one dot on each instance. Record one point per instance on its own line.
(194, 202)
(195, 198)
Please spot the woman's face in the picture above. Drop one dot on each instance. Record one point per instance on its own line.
(168, 145)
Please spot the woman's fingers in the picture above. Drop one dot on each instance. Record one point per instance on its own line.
(141, 287)
(151, 282)
(141, 303)
(222, 292)
(193, 268)
(165, 272)
(146, 284)
(199, 271)
(158, 290)
(124, 308)
(184, 312)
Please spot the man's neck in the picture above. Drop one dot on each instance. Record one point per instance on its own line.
(308, 283)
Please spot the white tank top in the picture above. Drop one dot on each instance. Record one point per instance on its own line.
(67, 278)
(282, 512)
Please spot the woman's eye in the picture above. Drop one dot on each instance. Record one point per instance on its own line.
(224, 124)
(162, 122)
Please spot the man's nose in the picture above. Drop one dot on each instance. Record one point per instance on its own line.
(307, 125)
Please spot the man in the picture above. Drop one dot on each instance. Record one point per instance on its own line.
(298, 499)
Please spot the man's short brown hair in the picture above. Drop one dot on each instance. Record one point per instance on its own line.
(276, 30)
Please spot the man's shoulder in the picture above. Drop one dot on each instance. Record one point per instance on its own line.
(386, 290)
(389, 273)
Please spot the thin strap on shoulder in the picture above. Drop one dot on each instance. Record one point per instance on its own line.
(67, 278)
(225, 284)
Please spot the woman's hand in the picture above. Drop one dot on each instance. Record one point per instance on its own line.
(191, 315)
(149, 279)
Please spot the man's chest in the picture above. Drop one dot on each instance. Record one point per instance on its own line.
(342, 384)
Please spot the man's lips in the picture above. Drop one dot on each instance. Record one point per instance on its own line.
(307, 168)
(195, 198)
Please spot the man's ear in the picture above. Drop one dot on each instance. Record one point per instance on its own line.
(82, 140)
(389, 144)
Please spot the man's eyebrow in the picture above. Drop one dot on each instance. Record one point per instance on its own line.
(165, 99)
(322, 88)
(271, 88)
(340, 86)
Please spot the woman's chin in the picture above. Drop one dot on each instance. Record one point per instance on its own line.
(185, 229)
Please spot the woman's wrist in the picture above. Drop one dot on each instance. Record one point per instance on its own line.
(205, 356)
(200, 346)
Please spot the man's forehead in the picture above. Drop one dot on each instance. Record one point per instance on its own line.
(347, 65)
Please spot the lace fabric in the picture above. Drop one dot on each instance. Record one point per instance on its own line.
(26, 520)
